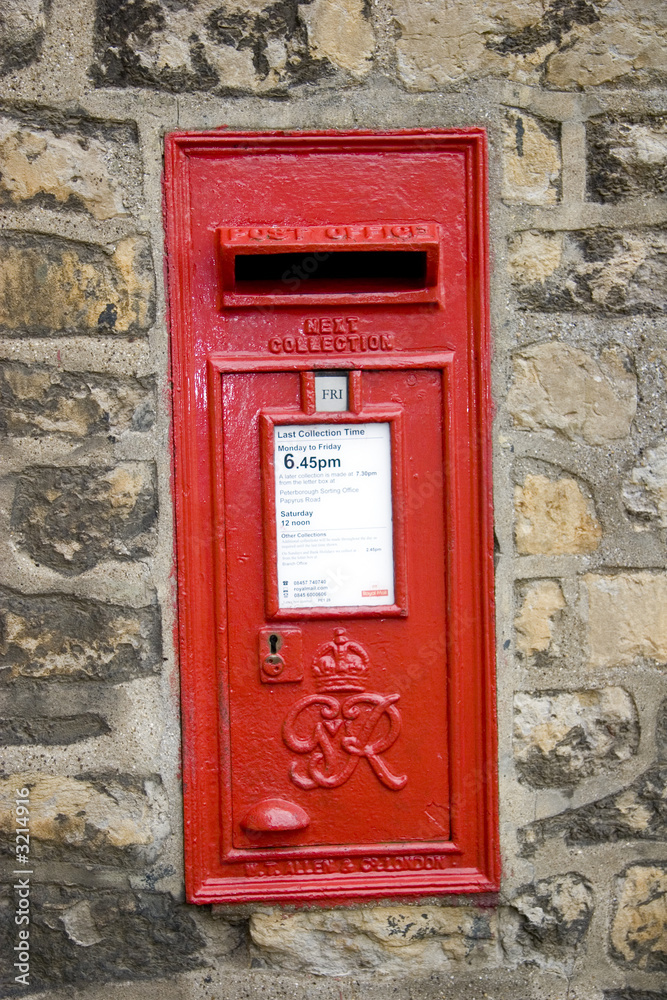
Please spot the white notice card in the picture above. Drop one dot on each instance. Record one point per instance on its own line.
(334, 515)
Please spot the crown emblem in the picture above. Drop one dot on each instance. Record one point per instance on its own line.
(341, 665)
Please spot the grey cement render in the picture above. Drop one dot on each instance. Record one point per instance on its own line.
(140, 711)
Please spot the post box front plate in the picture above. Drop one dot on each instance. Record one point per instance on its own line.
(328, 309)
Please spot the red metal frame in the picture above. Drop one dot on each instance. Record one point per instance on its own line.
(454, 340)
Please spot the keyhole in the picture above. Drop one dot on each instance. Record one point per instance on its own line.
(273, 642)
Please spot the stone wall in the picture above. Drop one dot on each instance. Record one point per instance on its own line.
(574, 96)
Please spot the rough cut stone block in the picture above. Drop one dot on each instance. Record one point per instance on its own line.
(85, 166)
(36, 400)
(52, 285)
(561, 388)
(565, 44)
(596, 270)
(562, 737)
(623, 42)
(637, 812)
(531, 160)
(383, 939)
(101, 817)
(534, 257)
(548, 921)
(341, 34)
(445, 41)
(218, 46)
(645, 492)
(554, 518)
(73, 640)
(22, 25)
(47, 730)
(628, 993)
(70, 519)
(627, 158)
(661, 731)
(626, 618)
(639, 925)
(86, 937)
(534, 624)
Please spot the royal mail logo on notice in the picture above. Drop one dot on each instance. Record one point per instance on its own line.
(375, 593)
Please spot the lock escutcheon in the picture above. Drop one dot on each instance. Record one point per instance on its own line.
(280, 655)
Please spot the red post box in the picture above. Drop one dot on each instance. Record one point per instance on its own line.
(328, 304)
